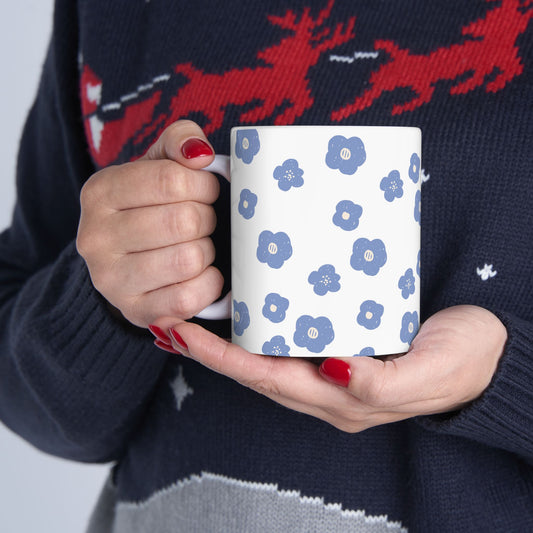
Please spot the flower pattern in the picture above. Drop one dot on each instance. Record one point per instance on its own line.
(274, 248)
(313, 333)
(368, 256)
(247, 145)
(325, 279)
(275, 307)
(276, 346)
(346, 155)
(370, 313)
(414, 168)
(368, 351)
(289, 174)
(392, 186)
(418, 198)
(247, 203)
(347, 215)
(409, 327)
(406, 283)
(241, 317)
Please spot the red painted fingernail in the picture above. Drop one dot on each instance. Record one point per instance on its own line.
(158, 333)
(195, 148)
(177, 339)
(166, 347)
(336, 371)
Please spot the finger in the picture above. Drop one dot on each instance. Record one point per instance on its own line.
(137, 230)
(181, 300)
(403, 384)
(183, 142)
(275, 377)
(151, 270)
(291, 382)
(147, 183)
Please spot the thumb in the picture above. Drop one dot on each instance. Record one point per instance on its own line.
(382, 383)
(185, 143)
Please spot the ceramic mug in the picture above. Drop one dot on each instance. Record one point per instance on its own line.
(325, 239)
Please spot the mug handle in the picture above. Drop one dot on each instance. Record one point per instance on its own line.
(222, 308)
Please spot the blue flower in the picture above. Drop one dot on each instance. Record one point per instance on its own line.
(274, 248)
(344, 154)
(368, 256)
(276, 346)
(418, 198)
(414, 168)
(313, 333)
(406, 283)
(368, 351)
(247, 145)
(324, 279)
(241, 317)
(409, 327)
(392, 185)
(347, 215)
(247, 203)
(275, 307)
(289, 174)
(370, 313)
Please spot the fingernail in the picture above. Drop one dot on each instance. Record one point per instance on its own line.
(177, 339)
(336, 371)
(158, 333)
(195, 148)
(166, 347)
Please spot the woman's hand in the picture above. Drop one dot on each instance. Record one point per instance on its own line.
(450, 363)
(144, 229)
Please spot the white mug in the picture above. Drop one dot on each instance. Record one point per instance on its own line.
(325, 239)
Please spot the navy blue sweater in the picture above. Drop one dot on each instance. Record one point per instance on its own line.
(193, 450)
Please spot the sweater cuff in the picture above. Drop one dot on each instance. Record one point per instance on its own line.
(85, 339)
(503, 416)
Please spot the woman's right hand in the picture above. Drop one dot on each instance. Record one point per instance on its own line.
(144, 229)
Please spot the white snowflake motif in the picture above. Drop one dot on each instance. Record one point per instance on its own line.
(486, 272)
(180, 388)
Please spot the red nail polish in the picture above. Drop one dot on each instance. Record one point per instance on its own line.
(177, 339)
(166, 347)
(159, 334)
(336, 371)
(195, 148)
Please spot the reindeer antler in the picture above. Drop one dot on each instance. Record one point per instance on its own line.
(288, 21)
(324, 14)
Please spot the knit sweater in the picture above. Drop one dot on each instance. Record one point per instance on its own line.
(193, 450)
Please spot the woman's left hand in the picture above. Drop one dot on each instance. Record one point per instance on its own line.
(450, 362)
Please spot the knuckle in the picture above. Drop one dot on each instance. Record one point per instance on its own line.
(265, 384)
(94, 190)
(375, 393)
(187, 221)
(184, 301)
(371, 394)
(171, 181)
(134, 310)
(190, 260)
(88, 243)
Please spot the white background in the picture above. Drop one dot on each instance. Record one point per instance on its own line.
(38, 493)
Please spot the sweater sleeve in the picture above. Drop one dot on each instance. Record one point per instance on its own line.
(502, 416)
(74, 381)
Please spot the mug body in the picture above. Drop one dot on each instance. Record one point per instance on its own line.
(325, 239)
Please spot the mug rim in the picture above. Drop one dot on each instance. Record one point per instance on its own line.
(324, 127)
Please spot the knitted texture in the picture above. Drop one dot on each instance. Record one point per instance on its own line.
(195, 451)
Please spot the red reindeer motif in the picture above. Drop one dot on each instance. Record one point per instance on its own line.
(283, 81)
(489, 50)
